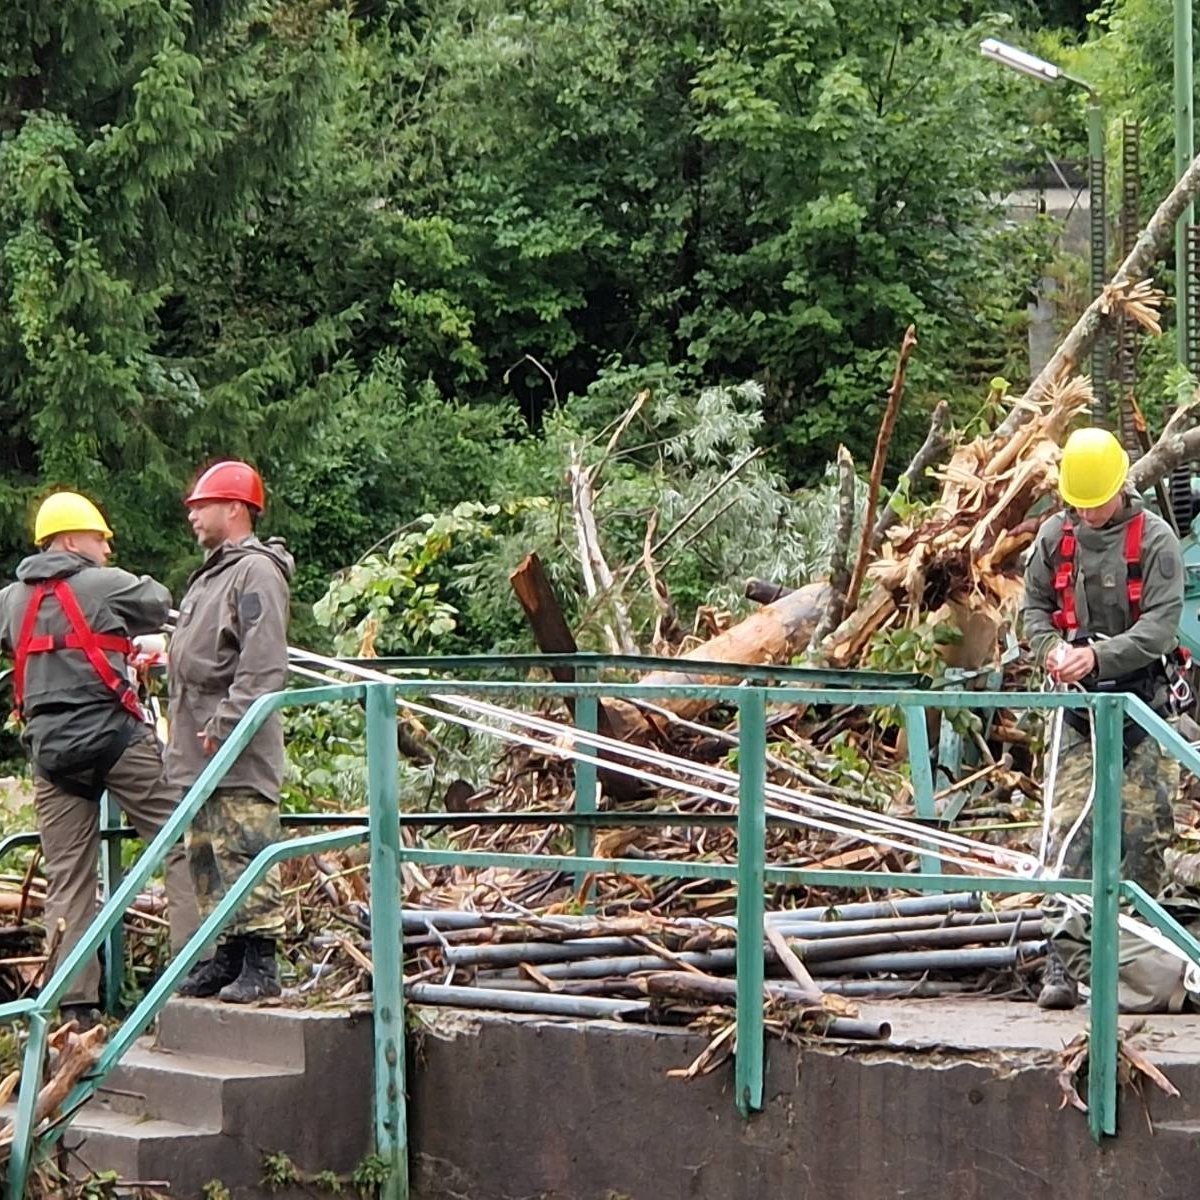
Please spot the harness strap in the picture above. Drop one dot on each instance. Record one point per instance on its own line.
(82, 637)
(1066, 618)
(1133, 564)
(21, 651)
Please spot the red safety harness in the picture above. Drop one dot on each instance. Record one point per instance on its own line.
(82, 637)
(1066, 618)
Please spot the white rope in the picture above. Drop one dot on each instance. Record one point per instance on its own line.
(920, 837)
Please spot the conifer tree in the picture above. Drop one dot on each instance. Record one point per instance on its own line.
(136, 137)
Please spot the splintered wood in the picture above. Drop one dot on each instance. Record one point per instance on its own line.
(964, 549)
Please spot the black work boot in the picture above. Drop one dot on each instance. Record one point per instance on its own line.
(86, 1016)
(260, 976)
(1059, 990)
(207, 978)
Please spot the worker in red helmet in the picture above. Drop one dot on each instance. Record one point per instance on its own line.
(230, 648)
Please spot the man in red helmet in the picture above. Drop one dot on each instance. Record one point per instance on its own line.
(229, 648)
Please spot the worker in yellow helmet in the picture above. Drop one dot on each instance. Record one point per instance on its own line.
(68, 622)
(1103, 599)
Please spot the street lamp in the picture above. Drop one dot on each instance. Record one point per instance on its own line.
(1047, 72)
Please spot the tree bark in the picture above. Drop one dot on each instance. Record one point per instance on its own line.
(882, 441)
(1174, 447)
(936, 443)
(763, 591)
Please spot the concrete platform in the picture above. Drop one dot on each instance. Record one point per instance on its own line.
(963, 1104)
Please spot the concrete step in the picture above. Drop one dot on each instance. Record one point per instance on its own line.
(138, 1148)
(204, 1091)
(218, 1088)
(261, 1035)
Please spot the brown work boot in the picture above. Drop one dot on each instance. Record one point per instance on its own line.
(207, 978)
(259, 978)
(1059, 990)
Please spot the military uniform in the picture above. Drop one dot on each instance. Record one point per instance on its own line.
(230, 648)
(1128, 658)
(82, 740)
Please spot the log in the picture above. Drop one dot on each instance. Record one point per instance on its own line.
(763, 591)
(773, 635)
(544, 613)
(1151, 243)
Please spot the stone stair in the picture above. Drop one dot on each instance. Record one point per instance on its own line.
(219, 1088)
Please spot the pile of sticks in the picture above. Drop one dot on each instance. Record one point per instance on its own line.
(641, 968)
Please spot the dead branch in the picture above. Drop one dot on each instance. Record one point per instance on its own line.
(1174, 447)
(666, 625)
(839, 567)
(597, 576)
(882, 441)
(936, 443)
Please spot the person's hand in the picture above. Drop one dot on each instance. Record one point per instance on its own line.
(1070, 664)
(207, 744)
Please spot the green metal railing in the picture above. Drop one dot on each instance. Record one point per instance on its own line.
(749, 872)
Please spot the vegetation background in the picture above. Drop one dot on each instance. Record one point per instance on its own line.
(414, 257)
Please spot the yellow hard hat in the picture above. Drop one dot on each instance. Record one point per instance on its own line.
(68, 512)
(1093, 469)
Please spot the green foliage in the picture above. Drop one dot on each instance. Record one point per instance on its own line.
(278, 1172)
(370, 1175)
(410, 600)
(326, 758)
(214, 1189)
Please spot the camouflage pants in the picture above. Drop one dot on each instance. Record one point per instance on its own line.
(228, 832)
(1148, 819)
(1148, 823)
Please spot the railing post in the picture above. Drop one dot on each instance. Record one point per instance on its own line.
(587, 709)
(751, 854)
(110, 880)
(1106, 887)
(387, 946)
(920, 763)
(21, 1156)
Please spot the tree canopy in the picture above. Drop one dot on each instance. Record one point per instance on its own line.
(399, 254)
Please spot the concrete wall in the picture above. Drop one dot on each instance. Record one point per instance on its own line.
(517, 1109)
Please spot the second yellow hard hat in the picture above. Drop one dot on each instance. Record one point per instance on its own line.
(1093, 469)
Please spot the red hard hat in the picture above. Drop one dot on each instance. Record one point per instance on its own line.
(229, 481)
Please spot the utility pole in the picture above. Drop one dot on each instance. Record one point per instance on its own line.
(1184, 152)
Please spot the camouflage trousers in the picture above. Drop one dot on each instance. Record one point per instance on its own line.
(228, 832)
(1148, 823)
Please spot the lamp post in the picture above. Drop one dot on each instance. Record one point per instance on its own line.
(1047, 72)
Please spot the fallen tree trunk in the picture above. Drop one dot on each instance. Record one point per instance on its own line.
(1174, 447)
(773, 635)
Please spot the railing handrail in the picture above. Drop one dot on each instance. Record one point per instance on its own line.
(749, 870)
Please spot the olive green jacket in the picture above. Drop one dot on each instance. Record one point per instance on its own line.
(1101, 597)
